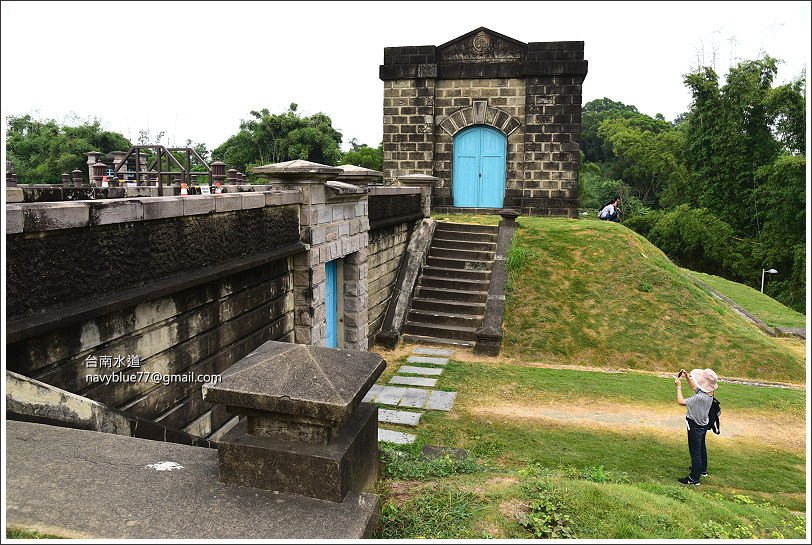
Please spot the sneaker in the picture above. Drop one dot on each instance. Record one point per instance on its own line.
(688, 480)
(703, 474)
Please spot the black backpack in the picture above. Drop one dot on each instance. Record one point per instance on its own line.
(713, 416)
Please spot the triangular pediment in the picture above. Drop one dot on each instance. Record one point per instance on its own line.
(482, 45)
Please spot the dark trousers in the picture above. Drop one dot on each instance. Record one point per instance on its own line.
(696, 446)
(612, 217)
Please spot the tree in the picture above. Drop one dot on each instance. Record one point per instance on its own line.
(364, 156)
(648, 160)
(272, 138)
(42, 150)
(729, 138)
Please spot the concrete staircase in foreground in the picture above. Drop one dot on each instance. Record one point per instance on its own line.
(449, 301)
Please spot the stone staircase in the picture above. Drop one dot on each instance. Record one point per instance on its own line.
(449, 301)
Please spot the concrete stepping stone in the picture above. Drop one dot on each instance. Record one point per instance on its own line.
(397, 437)
(407, 418)
(414, 381)
(420, 370)
(430, 361)
(373, 391)
(440, 401)
(414, 397)
(443, 352)
(389, 395)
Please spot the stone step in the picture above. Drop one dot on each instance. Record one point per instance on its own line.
(416, 398)
(461, 254)
(467, 227)
(422, 339)
(463, 284)
(415, 370)
(428, 359)
(446, 272)
(444, 318)
(465, 264)
(396, 437)
(405, 418)
(414, 381)
(441, 331)
(463, 245)
(464, 235)
(441, 352)
(455, 307)
(445, 294)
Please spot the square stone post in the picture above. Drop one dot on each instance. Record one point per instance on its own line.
(334, 223)
(305, 430)
(426, 184)
(359, 176)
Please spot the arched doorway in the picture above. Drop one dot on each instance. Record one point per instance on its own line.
(478, 176)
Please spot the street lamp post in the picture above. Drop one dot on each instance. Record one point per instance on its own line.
(770, 271)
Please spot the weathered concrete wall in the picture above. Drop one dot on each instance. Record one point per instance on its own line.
(182, 297)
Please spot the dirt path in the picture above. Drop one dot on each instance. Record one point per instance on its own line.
(611, 416)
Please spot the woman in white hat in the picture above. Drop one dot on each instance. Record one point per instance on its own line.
(703, 382)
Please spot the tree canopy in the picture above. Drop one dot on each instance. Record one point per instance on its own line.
(272, 138)
(722, 188)
(42, 150)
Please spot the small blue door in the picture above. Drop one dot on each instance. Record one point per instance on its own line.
(478, 178)
(331, 301)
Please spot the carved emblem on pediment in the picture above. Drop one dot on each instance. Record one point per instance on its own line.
(482, 42)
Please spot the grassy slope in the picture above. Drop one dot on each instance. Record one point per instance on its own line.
(597, 293)
(762, 306)
(751, 487)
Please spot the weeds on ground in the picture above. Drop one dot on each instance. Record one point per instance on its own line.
(440, 514)
(408, 463)
(547, 513)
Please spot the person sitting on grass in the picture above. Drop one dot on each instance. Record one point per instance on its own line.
(703, 382)
(610, 212)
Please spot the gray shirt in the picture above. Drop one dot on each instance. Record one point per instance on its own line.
(699, 406)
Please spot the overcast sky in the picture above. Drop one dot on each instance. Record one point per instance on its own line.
(195, 69)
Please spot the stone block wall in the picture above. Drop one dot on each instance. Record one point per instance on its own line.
(504, 105)
(97, 290)
(334, 220)
(531, 92)
(386, 248)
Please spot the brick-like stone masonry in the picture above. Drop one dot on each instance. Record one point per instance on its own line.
(386, 247)
(529, 91)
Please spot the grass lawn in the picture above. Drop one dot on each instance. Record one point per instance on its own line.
(19, 533)
(595, 293)
(762, 306)
(527, 477)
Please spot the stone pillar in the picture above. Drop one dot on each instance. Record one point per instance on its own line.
(232, 176)
(97, 173)
(305, 430)
(335, 224)
(77, 178)
(426, 184)
(92, 159)
(218, 173)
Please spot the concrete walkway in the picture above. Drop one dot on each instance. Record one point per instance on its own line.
(425, 368)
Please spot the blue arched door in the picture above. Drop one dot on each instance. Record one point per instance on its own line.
(478, 178)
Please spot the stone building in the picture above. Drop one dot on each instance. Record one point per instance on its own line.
(496, 121)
